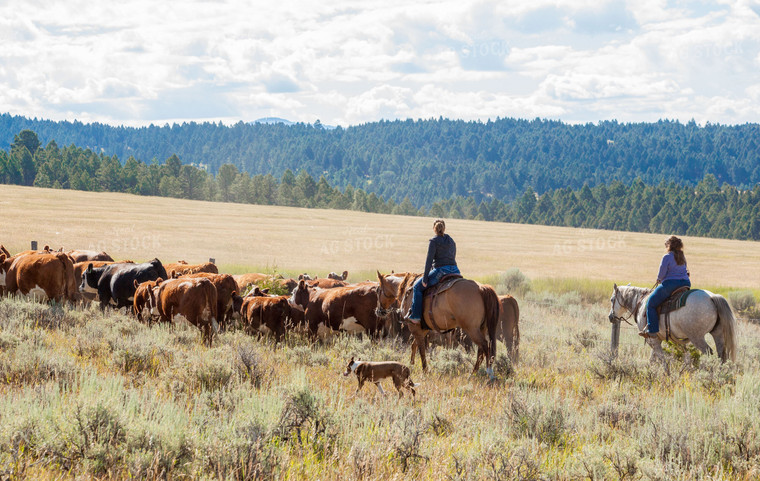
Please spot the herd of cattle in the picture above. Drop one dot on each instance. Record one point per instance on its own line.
(200, 295)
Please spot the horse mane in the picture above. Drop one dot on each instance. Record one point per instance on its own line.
(629, 292)
(407, 283)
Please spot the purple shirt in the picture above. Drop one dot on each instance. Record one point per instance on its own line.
(670, 270)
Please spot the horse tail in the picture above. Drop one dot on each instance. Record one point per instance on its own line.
(727, 322)
(492, 311)
(509, 326)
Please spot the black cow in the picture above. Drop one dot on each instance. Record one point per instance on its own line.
(115, 283)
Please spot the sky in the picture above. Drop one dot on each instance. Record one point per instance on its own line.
(140, 62)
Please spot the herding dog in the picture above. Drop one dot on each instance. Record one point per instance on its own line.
(376, 371)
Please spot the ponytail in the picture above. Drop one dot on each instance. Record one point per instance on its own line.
(439, 227)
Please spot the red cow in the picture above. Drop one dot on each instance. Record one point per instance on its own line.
(349, 309)
(42, 276)
(182, 268)
(82, 256)
(141, 304)
(268, 315)
(193, 300)
(226, 288)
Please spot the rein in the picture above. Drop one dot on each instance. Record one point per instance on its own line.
(633, 314)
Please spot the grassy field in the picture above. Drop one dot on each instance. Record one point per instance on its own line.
(87, 395)
(251, 238)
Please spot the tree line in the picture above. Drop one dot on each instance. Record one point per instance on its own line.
(436, 159)
(707, 209)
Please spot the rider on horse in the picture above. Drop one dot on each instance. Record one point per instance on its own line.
(673, 274)
(441, 260)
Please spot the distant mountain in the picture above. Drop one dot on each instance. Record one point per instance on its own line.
(272, 120)
(430, 160)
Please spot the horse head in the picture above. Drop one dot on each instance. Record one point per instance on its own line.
(387, 294)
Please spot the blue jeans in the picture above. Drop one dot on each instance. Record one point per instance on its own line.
(435, 275)
(660, 295)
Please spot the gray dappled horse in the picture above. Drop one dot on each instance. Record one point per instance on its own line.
(704, 312)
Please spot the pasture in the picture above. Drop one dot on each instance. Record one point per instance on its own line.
(251, 238)
(85, 394)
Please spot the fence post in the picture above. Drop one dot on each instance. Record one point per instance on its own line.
(34, 245)
(615, 341)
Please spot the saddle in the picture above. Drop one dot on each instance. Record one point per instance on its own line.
(431, 292)
(676, 301)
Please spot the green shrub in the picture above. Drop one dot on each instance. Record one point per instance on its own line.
(512, 282)
(742, 300)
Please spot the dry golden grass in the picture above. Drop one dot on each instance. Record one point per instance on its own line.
(250, 237)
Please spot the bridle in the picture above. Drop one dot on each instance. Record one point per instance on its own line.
(620, 318)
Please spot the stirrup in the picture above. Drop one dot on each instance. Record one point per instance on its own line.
(647, 334)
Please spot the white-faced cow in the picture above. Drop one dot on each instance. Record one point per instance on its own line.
(349, 309)
(338, 277)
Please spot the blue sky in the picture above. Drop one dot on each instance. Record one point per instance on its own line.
(136, 62)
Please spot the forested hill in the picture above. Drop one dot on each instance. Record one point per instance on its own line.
(433, 160)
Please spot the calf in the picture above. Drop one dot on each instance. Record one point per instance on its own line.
(267, 315)
(115, 283)
(42, 276)
(374, 372)
(192, 300)
(141, 306)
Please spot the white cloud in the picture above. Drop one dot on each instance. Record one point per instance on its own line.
(140, 61)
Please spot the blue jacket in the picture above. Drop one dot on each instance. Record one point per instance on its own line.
(442, 251)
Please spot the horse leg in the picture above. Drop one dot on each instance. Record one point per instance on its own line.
(414, 351)
(720, 342)
(419, 340)
(702, 345)
(657, 353)
(479, 340)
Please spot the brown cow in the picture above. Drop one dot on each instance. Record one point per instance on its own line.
(350, 308)
(226, 288)
(245, 280)
(141, 304)
(41, 276)
(338, 277)
(327, 283)
(182, 268)
(268, 315)
(192, 300)
(83, 255)
(508, 329)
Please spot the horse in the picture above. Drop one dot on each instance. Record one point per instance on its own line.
(704, 312)
(466, 304)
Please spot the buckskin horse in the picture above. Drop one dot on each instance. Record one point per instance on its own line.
(466, 304)
(703, 312)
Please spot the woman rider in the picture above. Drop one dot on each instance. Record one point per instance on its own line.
(441, 260)
(673, 274)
